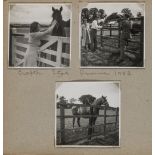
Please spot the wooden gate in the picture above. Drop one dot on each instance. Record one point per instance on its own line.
(71, 135)
(48, 57)
(109, 39)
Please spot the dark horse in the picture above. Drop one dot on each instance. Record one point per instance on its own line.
(59, 28)
(93, 110)
(136, 23)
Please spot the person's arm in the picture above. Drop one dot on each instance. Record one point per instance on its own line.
(39, 34)
(101, 20)
(96, 26)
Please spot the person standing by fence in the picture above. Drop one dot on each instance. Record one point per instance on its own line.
(31, 56)
(86, 40)
(94, 28)
(125, 28)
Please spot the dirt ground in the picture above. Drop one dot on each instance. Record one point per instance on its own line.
(109, 140)
(108, 52)
(102, 57)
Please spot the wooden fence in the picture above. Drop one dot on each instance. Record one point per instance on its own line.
(109, 38)
(59, 56)
(74, 135)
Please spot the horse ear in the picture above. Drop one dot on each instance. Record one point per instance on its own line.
(53, 8)
(61, 8)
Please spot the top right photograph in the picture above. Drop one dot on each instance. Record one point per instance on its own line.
(112, 35)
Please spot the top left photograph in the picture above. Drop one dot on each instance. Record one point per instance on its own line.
(40, 35)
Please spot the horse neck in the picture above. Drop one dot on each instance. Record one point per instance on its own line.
(96, 102)
(58, 29)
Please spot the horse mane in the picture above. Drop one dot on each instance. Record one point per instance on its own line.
(97, 101)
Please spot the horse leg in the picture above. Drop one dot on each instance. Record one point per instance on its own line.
(94, 120)
(78, 121)
(90, 128)
(73, 121)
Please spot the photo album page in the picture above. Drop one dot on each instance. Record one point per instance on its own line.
(77, 77)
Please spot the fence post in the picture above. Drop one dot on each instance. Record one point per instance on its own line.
(13, 47)
(90, 129)
(101, 37)
(59, 52)
(110, 31)
(10, 47)
(119, 34)
(116, 117)
(62, 124)
(105, 120)
(142, 39)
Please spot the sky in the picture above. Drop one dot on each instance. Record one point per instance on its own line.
(97, 89)
(117, 7)
(27, 13)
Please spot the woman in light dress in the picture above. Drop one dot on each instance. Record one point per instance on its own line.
(86, 40)
(31, 56)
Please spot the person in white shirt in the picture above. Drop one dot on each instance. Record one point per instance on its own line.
(93, 32)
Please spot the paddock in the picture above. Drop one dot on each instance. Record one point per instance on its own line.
(58, 55)
(108, 43)
(106, 129)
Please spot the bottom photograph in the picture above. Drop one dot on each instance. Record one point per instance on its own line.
(87, 114)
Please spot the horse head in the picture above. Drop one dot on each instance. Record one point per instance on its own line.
(57, 14)
(104, 101)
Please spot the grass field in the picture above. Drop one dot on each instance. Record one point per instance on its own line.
(73, 135)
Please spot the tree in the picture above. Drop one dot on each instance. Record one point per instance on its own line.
(139, 14)
(93, 11)
(84, 14)
(113, 17)
(102, 13)
(73, 100)
(87, 99)
(127, 11)
(63, 100)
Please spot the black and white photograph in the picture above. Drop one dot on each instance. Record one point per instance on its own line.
(112, 35)
(40, 34)
(87, 114)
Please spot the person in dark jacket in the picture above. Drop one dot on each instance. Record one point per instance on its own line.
(125, 27)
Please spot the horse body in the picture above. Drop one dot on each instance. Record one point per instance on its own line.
(93, 109)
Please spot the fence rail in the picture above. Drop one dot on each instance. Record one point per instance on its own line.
(109, 36)
(57, 57)
(88, 129)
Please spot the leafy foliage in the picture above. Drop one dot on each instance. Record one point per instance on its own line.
(87, 99)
